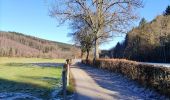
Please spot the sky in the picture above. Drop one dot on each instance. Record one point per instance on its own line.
(31, 17)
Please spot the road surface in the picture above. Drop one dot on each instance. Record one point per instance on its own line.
(97, 84)
(157, 64)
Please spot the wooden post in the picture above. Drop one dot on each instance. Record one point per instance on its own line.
(68, 71)
(65, 78)
(64, 82)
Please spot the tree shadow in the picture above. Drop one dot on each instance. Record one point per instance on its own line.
(51, 80)
(9, 86)
(48, 64)
(17, 64)
(53, 65)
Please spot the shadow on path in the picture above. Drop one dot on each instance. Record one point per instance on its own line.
(113, 84)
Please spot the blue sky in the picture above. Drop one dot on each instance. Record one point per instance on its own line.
(32, 17)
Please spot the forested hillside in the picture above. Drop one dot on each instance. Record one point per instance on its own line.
(147, 42)
(14, 44)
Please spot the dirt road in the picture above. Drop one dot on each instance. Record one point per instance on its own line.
(97, 84)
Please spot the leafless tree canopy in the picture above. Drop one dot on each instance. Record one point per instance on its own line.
(104, 17)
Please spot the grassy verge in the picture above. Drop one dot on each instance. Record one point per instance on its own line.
(18, 75)
(71, 87)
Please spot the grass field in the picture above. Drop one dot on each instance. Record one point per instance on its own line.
(26, 75)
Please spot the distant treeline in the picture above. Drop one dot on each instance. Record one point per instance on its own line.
(147, 42)
(13, 44)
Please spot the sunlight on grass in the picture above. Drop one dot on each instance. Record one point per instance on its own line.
(20, 75)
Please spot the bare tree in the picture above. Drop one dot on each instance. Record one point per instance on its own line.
(104, 17)
(84, 38)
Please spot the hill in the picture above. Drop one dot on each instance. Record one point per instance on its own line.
(13, 44)
(147, 42)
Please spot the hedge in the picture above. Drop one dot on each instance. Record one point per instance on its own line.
(155, 77)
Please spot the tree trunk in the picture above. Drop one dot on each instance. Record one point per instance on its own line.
(99, 28)
(82, 53)
(96, 52)
(87, 57)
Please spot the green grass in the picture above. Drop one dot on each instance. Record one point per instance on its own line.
(29, 60)
(19, 75)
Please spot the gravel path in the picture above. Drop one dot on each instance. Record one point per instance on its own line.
(97, 84)
(157, 64)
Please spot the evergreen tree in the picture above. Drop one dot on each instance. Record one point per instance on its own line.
(142, 22)
(167, 11)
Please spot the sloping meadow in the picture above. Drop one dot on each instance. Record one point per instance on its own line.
(154, 77)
